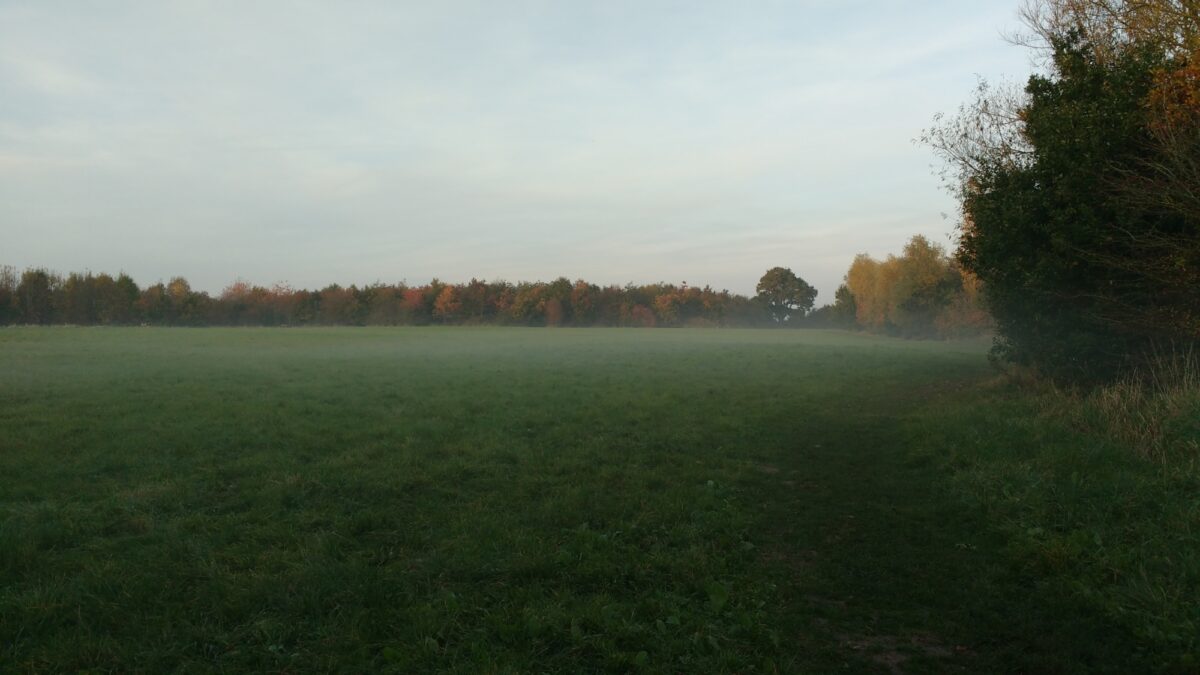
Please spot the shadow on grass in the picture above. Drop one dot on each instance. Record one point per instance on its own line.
(883, 568)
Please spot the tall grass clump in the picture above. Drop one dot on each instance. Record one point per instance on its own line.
(1154, 411)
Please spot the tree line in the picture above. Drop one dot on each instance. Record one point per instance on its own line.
(920, 294)
(1080, 191)
(39, 296)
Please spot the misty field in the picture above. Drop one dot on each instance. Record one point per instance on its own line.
(527, 500)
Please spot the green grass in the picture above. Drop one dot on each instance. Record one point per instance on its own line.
(529, 500)
(1089, 515)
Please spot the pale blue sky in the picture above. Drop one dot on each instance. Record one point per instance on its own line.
(314, 142)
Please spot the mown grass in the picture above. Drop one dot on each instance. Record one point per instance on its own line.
(524, 500)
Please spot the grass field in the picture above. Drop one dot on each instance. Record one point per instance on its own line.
(535, 500)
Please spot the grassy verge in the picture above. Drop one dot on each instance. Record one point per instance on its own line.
(1096, 494)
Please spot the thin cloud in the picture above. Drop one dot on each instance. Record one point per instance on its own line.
(320, 142)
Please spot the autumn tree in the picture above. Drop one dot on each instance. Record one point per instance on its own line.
(474, 297)
(556, 306)
(919, 294)
(867, 281)
(640, 316)
(844, 310)
(784, 294)
(925, 284)
(1108, 29)
(447, 306)
(8, 295)
(237, 300)
(104, 290)
(411, 306)
(528, 303)
(152, 304)
(185, 305)
(385, 307)
(502, 296)
(124, 299)
(307, 306)
(35, 296)
(339, 306)
(583, 302)
(78, 304)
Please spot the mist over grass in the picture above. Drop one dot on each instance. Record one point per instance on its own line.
(576, 500)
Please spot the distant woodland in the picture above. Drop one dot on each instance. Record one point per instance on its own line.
(921, 293)
(38, 296)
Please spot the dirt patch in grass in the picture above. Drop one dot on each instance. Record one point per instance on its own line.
(893, 652)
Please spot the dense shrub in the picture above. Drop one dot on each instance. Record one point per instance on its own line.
(1079, 194)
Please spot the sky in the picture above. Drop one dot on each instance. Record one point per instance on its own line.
(356, 142)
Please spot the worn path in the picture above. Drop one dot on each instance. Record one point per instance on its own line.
(887, 571)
